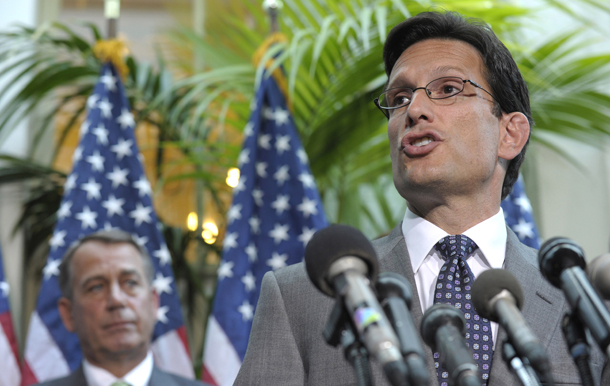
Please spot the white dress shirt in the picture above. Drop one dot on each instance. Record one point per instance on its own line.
(139, 376)
(421, 236)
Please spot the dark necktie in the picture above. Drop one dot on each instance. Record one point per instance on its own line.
(453, 287)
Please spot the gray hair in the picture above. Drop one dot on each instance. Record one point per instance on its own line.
(112, 236)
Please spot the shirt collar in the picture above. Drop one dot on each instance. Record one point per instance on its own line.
(138, 376)
(421, 236)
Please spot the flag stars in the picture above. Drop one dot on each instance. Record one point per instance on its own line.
(308, 207)
(277, 260)
(97, 161)
(162, 314)
(302, 156)
(122, 148)
(252, 252)
(282, 143)
(114, 205)
(225, 269)
(281, 116)
(255, 225)
(77, 155)
(524, 203)
(64, 210)
(51, 269)
(142, 240)
(241, 184)
(91, 103)
(105, 107)
(261, 169)
(143, 186)
(249, 281)
(248, 130)
(118, 177)
(70, 182)
(92, 188)
(5, 288)
(234, 213)
(126, 120)
(257, 195)
(279, 233)
(263, 141)
(282, 175)
(57, 240)
(163, 255)
(244, 157)
(307, 180)
(306, 235)
(141, 214)
(230, 241)
(87, 218)
(162, 284)
(102, 134)
(281, 204)
(246, 310)
(109, 81)
(524, 229)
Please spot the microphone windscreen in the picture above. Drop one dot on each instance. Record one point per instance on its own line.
(599, 272)
(332, 243)
(490, 283)
(558, 254)
(437, 316)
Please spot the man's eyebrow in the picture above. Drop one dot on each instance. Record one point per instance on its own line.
(441, 70)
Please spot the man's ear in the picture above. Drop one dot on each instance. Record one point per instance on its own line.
(514, 132)
(64, 306)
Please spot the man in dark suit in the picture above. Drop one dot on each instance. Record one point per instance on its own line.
(458, 125)
(109, 302)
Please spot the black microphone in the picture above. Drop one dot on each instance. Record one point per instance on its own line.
(498, 296)
(599, 272)
(443, 328)
(341, 262)
(562, 262)
(395, 296)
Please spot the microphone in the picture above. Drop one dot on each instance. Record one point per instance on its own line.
(395, 295)
(443, 328)
(342, 263)
(599, 272)
(498, 296)
(562, 262)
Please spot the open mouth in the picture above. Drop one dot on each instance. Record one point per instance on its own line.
(423, 141)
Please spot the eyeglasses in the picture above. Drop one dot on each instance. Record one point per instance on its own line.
(441, 88)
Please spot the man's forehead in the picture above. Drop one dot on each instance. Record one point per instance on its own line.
(96, 257)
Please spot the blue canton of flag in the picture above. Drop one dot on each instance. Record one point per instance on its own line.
(519, 217)
(276, 209)
(9, 357)
(106, 189)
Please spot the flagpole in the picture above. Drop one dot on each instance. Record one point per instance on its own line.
(273, 7)
(112, 9)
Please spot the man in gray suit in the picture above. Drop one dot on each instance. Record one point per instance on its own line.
(109, 302)
(458, 124)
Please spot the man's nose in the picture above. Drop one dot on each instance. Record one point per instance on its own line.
(420, 107)
(116, 296)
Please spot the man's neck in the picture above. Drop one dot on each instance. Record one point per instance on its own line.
(455, 215)
(119, 365)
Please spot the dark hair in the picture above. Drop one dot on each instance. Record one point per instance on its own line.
(112, 236)
(501, 72)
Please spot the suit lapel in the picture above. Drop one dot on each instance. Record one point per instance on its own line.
(540, 305)
(394, 257)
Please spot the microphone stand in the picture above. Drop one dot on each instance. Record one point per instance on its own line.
(339, 330)
(521, 367)
(578, 345)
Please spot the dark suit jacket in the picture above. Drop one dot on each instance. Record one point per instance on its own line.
(158, 378)
(286, 346)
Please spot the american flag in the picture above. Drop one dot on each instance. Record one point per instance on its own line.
(276, 209)
(9, 357)
(519, 217)
(106, 189)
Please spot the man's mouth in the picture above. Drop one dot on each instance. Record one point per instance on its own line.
(422, 141)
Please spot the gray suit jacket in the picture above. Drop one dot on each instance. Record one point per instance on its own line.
(158, 378)
(286, 346)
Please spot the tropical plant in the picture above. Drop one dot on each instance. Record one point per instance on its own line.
(333, 64)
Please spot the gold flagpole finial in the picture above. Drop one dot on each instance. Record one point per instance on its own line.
(272, 7)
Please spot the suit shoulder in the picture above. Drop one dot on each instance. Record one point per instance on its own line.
(57, 382)
(162, 378)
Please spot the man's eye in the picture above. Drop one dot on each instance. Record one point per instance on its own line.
(449, 89)
(400, 100)
(95, 288)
